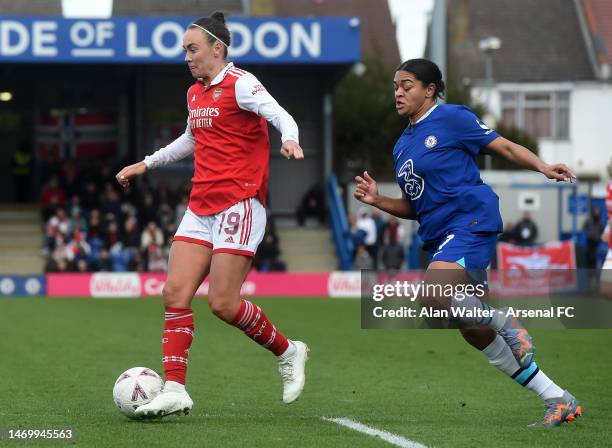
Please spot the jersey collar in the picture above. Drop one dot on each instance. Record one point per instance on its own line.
(410, 127)
(431, 109)
(221, 76)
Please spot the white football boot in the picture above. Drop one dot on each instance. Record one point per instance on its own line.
(173, 399)
(292, 372)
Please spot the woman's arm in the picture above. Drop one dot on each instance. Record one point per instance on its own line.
(180, 148)
(396, 207)
(367, 192)
(525, 158)
(251, 95)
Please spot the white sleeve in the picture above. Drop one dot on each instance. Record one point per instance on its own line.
(251, 95)
(177, 150)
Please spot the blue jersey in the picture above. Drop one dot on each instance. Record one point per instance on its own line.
(435, 166)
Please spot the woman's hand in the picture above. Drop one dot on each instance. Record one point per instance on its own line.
(129, 172)
(292, 150)
(366, 190)
(560, 172)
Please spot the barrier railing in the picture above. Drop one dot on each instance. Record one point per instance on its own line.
(339, 225)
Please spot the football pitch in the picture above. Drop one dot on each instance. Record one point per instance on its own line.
(60, 359)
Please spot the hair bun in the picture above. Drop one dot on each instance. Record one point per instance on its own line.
(441, 87)
(218, 16)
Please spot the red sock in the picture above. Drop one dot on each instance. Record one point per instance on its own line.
(178, 334)
(256, 325)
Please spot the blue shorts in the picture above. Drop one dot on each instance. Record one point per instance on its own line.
(473, 251)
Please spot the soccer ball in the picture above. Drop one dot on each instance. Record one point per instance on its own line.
(135, 387)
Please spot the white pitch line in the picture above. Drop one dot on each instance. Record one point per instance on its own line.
(393, 439)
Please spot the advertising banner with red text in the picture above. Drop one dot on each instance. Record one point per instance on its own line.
(542, 269)
(131, 284)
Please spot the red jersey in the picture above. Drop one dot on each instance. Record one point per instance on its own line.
(227, 131)
(232, 148)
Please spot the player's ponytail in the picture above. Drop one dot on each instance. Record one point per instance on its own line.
(214, 28)
(425, 71)
(440, 89)
(218, 16)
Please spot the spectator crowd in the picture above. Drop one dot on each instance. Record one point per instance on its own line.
(92, 224)
(378, 243)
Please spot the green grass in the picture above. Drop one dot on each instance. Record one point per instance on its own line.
(59, 359)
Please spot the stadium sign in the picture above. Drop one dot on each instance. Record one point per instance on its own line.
(131, 284)
(542, 269)
(22, 285)
(157, 40)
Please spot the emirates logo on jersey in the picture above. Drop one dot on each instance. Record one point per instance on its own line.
(217, 94)
(202, 117)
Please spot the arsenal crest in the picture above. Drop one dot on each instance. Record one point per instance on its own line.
(217, 94)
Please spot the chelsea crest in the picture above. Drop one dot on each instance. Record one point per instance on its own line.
(431, 141)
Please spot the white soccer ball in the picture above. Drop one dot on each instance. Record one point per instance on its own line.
(135, 387)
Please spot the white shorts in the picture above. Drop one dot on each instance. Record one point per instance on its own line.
(236, 230)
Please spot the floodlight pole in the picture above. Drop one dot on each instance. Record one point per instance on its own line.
(489, 80)
(487, 47)
(437, 37)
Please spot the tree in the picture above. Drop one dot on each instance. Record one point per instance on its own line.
(458, 93)
(517, 136)
(366, 124)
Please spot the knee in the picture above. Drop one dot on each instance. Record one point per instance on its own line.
(175, 296)
(222, 307)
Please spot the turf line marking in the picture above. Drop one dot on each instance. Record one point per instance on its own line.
(389, 437)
